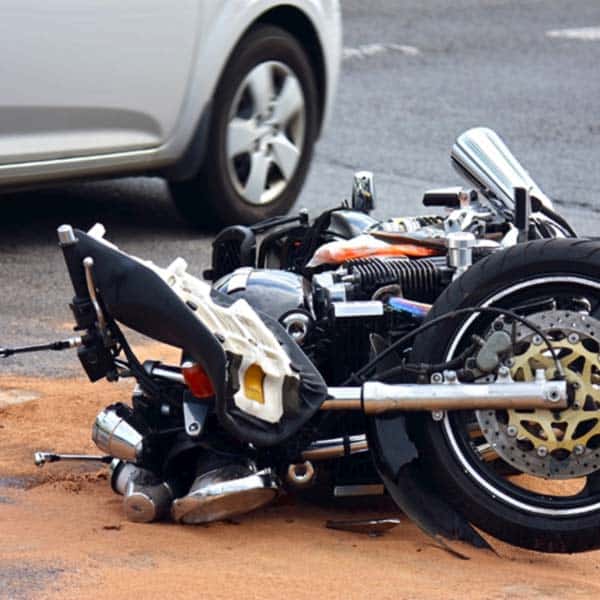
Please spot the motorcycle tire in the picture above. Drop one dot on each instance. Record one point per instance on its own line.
(525, 273)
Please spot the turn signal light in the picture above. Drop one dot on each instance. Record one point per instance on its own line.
(197, 380)
(253, 383)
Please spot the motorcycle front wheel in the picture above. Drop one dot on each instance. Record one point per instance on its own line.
(530, 478)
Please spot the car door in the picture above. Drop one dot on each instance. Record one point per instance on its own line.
(88, 77)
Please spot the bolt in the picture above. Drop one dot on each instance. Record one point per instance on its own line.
(193, 427)
(503, 371)
(450, 376)
(437, 378)
(579, 449)
(437, 415)
(510, 362)
(498, 325)
(573, 338)
(542, 451)
(576, 385)
(553, 396)
(511, 431)
(537, 340)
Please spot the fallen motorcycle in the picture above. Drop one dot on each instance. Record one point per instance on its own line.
(452, 358)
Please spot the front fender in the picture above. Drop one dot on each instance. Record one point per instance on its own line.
(405, 477)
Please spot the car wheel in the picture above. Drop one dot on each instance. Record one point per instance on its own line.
(263, 128)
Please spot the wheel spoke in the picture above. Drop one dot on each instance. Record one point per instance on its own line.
(285, 155)
(260, 82)
(289, 101)
(240, 136)
(257, 179)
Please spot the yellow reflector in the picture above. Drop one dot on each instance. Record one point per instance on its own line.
(253, 383)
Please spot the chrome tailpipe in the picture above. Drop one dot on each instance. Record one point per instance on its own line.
(145, 497)
(224, 493)
(115, 436)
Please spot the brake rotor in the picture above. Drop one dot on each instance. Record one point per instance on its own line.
(557, 444)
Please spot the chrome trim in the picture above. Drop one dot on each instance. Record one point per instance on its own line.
(336, 447)
(487, 160)
(380, 397)
(66, 235)
(223, 493)
(164, 373)
(350, 491)
(146, 502)
(301, 474)
(363, 308)
(116, 437)
(88, 265)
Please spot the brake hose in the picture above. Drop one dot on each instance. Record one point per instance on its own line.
(358, 376)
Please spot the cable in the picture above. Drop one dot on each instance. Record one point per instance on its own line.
(358, 376)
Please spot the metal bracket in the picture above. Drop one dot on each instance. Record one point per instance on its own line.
(88, 265)
(194, 416)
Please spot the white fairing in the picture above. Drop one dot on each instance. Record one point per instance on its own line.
(243, 333)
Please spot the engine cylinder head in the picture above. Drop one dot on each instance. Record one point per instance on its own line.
(419, 279)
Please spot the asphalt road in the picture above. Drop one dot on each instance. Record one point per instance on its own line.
(416, 75)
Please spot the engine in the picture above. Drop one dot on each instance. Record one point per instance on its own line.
(334, 315)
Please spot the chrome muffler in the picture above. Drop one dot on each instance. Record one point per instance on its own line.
(115, 436)
(145, 497)
(224, 493)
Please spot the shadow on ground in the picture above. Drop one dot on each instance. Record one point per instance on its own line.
(132, 207)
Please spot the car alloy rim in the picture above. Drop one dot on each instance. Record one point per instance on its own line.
(265, 132)
(494, 490)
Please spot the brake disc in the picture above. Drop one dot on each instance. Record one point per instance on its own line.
(557, 444)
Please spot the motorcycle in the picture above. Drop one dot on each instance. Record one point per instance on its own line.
(451, 359)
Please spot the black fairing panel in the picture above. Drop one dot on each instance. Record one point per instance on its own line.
(137, 297)
(405, 478)
(310, 395)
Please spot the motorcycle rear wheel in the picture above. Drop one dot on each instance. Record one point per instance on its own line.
(486, 493)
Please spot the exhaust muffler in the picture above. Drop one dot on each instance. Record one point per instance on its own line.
(224, 493)
(115, 436)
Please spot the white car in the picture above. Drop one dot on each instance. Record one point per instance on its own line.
(225, 99)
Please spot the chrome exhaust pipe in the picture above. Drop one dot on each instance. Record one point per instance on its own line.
(115, 436)
(146, 499)
(375, 397)
(224, 493)
(336, 448)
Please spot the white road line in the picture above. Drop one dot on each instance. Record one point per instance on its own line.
(368, 50)
(586, 34)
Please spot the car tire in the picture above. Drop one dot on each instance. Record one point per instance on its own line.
(272, 133)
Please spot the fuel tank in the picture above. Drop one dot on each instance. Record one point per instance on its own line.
(269, 291)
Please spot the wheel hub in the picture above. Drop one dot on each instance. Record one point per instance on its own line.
(265, 133)
(553, 444)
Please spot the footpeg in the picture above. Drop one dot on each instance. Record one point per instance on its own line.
(224, 493)
(41, 458)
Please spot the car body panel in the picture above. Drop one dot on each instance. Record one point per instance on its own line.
(83, 96)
